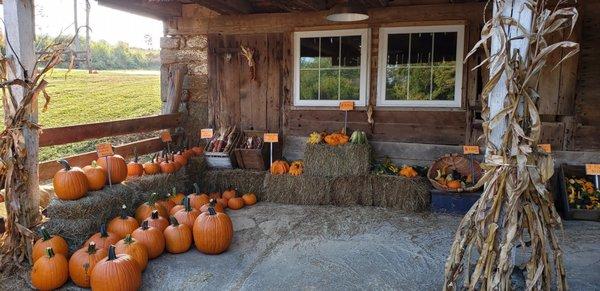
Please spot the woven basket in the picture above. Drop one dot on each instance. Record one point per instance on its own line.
(454, 162)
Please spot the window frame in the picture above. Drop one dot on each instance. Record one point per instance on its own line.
(364, 65)
(384, 32)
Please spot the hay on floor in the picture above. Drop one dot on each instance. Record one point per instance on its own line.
(408, 194)
(328, 161)
(243, 181)
(303, 190)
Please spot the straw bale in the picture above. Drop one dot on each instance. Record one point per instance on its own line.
(328, 161)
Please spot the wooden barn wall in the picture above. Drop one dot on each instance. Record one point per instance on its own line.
(567, 124)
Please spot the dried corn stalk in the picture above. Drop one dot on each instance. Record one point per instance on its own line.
(515, 211)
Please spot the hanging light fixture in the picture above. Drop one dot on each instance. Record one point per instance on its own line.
(347, 11)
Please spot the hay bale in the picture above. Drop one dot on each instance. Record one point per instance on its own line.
(195, 170)
(352, 190)
(401, 193)
(347, 160)
(303, 190)
(243, 181)
(74, 231)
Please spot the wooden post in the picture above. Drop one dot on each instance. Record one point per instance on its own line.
(88, 52)
(76, 24)
(19, 19)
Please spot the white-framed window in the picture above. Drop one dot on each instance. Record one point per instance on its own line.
(330, 66)
(420, 66)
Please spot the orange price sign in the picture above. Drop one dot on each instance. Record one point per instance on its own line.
(470, 150)
(592, 169)
(165, 136)
(347, 105)
(271, 137)
(546, 147)
(104, 150)
(206, 133)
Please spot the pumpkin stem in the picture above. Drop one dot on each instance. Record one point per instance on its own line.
(94, 164)
(123, 211)
(197, 188)
(154, 157)
(49, 252)
(45, 235)
(65, 164)
(128, 239)
(186, 204)
(211, 210)
(154, 214)
(174, 192)
(112, 255)
(212, 202)
(91, 248)
(145, 225)
(135, 155)
(173, 221)
(103, 232)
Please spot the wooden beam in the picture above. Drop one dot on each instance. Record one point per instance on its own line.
(300, 5)
(158, 10)
(375, 3)
(227, 6)
(81, 132)
(174, 89)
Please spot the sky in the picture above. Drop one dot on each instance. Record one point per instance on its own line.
(54, 16)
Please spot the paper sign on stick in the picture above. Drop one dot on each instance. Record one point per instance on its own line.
(206, 133)
(104, 150)
(347, 105)
(165, 136)
(471, 150)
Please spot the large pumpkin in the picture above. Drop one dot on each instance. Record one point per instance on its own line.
(157, 221)
(115, 168)
(145, 210)
(123, 224)
(82, 263)
(134, 168)
(57, 243)
(116, 273)
(198, 199)
(178, 237)
(137, 251)
(152, 238)
(279, 167)
(70, 183)
(187, 215)
(213, 232)
(95, 175)
(50, 271)
(103, 239)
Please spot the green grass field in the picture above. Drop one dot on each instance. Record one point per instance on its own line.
(86, 98)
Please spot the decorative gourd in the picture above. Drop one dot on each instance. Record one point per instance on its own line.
(213, 232)
(157, 221)
(50, 271)
(228, 194)
(235, 203)
(296, 168)
(103, 239)
(137, 251)
(115, 168)
(358, 137)
(336, 139)
(187, 215)
(315, 138)
(70, 183)
(116, 272)
(279, 167)
(152, 238)
(249, 199)
(213, 203)
(453, 184)
(198, 199)
(145, 210)
(95, 175)
(82, 263)
(123, 224)
(151, 167)
(178, 237)
(408, 172)
(177, 198)
(57, 243)
(134, 168)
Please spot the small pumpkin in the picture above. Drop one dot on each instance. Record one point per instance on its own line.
(249, 199)
(123, 224)
(453, 184)
(223, 202)
(137, 251)
(134, 168)
(168, 167)
(95, 175)
(213, 232)
(408, 172)
(50, 271)
(279, 167)
(177, 198)
(213, 203)
(228, 194)
(70, 183)
(336, 139)
(115, 168)
(180, 158)
(103, 239)
(57, 243)
(187, 215)
(178, 237)
(145, 210)
(157, 221)
(151, 167)
(82, 263)
(198, 199)
(296, 168)
(198, 150)
(116, 273)
(235, 203)
(152, 238)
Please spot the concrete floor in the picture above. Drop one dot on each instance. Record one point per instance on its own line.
(288, 247)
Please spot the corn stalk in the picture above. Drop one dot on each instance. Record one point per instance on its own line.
(515, 210)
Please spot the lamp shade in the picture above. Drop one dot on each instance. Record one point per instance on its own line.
(347, 12)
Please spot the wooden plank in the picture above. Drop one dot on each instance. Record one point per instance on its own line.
(247, 87)
(569, 72)
(588, 89)
(227, 6)
(175, 88)
(157, 9)
(553, 133)
(81, 132)
(275, 72)
(215, 41)
(549, 82)
(586, 137)
(444, 118)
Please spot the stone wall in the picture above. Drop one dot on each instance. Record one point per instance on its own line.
(190, 50)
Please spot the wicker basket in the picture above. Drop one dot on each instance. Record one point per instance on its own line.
(460, 164)
(252, 159)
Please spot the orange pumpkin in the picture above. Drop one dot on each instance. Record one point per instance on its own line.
(157, 221)
(176, 209)
(279, 167)
(134, 168)
(114, 167)
(103, 239)
(213, 232)
(223, 202)
(187, 215)
(235, 203)
(70, 183)
(116, 272)
(168, 167)
(228, 194)
(408, 172)
(453, 184)
(177, 198)
(123, 224)
(181, 159)
(198, 199)
(178, 237)
(57, 243)
(137, 251)
(82, 263)
(95, 176)
(213, 203)
(198, 150)
(145, 210)
(152, 238)
(151, 167)
(214, 195)
(249, 199)
(166, 202)
(336, 139)
(50, 271)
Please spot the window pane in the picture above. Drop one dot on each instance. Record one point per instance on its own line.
(443, 83)
(420, 83)
(396, 83)
(330, 52)
(329, 84)
(420, 52)
(445, 48)
(350, 84)
(309, 52)
(350, 51)
(309, 83)
(397, 49)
